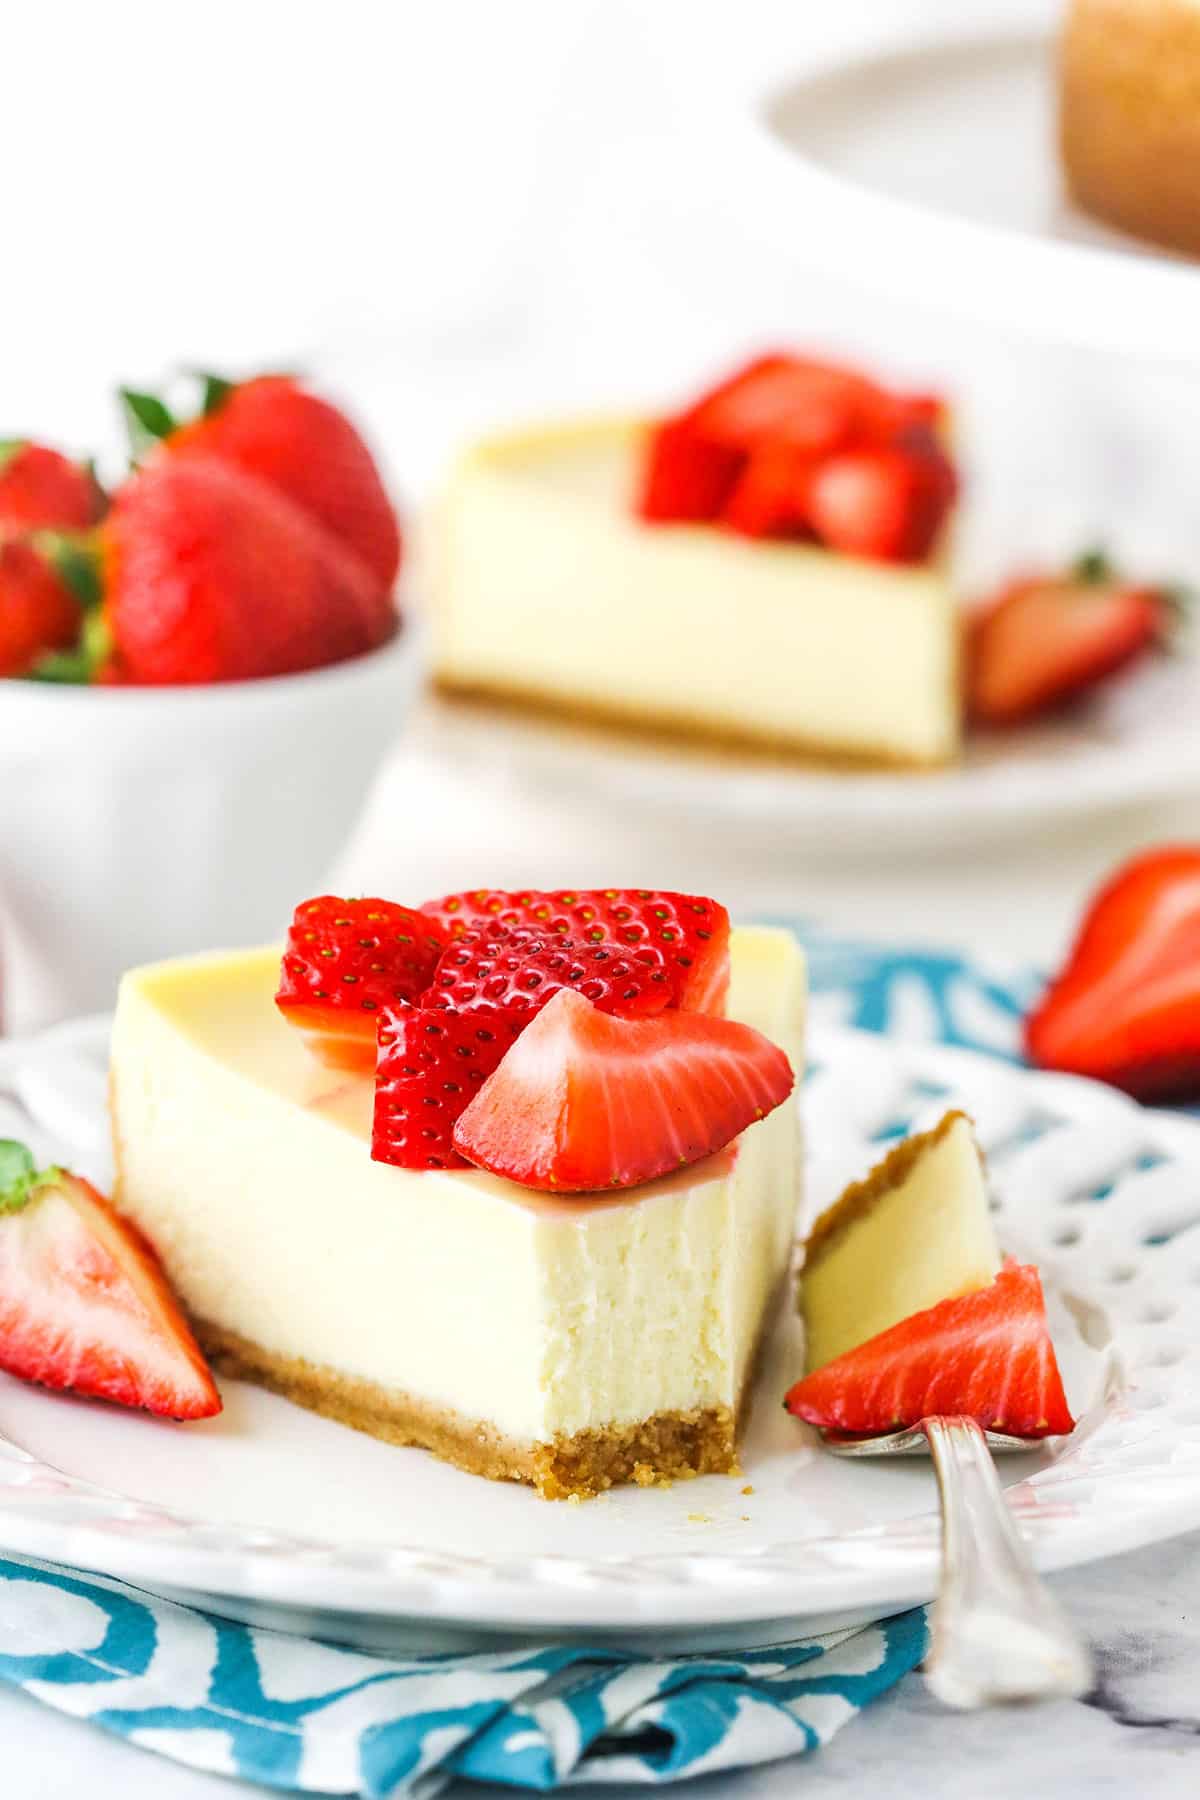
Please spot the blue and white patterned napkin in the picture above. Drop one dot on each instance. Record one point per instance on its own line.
(315, 1718)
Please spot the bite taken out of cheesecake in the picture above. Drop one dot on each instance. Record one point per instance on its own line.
(569, 1341)
(768, 568)
(914, 1231)
(909, 1311)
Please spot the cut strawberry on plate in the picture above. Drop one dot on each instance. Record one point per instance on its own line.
(887, 503)
(692, 932)
(584, 1102)
(518, 968)
(346, 962)
(1048, 638)
(1126, 1008)
(986, 1356)
(84, 1302)
(432, 1063)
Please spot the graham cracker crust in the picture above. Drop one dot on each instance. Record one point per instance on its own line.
(700, 734)
(861, 1196)
(667, 1447)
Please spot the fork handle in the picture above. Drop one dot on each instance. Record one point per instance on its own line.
(997, 1635)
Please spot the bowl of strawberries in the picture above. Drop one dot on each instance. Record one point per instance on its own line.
(204, 668)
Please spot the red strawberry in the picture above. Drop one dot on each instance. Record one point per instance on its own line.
(1047, 638)
(985, 1356)
(274, 428)
(1126, 1008)
(40, 487)
(690, 931)
(883, 503)
(432, 1063)
(84, 1302)
(771, 498)
(345, 963)
(39, 613)
(212, 575)
(583, 1101)
(517, 968)
(684, 479)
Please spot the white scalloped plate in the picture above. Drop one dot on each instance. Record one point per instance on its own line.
(274, 1514)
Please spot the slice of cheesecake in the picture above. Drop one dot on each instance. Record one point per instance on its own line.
(567, 1343)
(549, 589)
(915, 1231)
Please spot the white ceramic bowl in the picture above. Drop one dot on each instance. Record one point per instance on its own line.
(137, 823)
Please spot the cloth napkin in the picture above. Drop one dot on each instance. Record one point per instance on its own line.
(311, 1717)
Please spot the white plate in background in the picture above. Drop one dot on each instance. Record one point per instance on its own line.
(931, 172)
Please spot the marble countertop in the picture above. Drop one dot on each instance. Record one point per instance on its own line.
(1137, 1734)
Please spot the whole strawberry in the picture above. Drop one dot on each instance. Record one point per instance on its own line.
(274, 428)
(39, 613)
(211, 574)
(41, 487)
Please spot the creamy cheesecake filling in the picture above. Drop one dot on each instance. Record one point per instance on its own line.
(917, 1230)
(248, 1166)
(540, 557)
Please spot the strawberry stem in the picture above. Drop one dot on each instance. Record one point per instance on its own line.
(84, 661)
(215, 392)
(10, 447)
(76, 561)
(19, 1176)
(1092, 567)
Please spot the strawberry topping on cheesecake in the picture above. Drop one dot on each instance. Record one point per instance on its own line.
(792, 448)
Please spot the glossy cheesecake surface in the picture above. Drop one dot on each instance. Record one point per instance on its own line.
(447, 1308)
(548, 589)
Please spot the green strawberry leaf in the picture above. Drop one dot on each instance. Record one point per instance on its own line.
(147, 420)
(216, 390)
(18, 1175)
(76, 561)
(1093, 567)
(10, 447)
(83, 662)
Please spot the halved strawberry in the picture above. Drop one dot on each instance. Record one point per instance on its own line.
(432, 1063)
(771, 498)
(344, 963)
(518, 968)
(685, 480)
(1047, 638)
(691, 932)
(1126, 1008)
(887, 503)
(584, 1101)
(84, 1302)
(986, 1355)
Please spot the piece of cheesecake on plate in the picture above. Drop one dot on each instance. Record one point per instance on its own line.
(767, 568)
(909, 1311)
(566, 1340)
(916, 1229)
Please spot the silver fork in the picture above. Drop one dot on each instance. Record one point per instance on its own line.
(997, 1634)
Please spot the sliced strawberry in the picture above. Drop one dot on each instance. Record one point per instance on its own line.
(345, 963)
(888, 504)
(584, 1101)
(986, 1356)
(685, 480)
(1126, 1008)
(816, 406)
(771, 498)
(84, 1302)
(41, 487)
(517, 968)
(691, 932)
(432, 1063)
(1048, 638)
